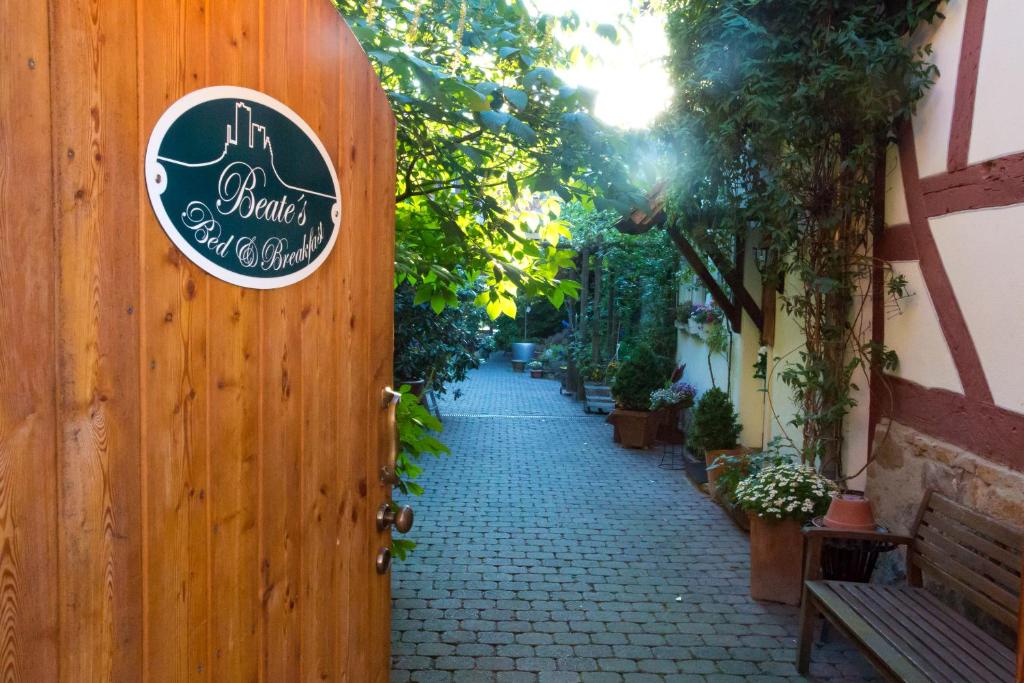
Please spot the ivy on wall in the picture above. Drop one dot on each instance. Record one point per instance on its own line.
(782, 114)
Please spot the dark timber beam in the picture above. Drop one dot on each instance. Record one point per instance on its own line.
(733, 276)
(717, 293)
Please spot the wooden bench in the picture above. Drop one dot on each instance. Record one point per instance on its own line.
(907, 633)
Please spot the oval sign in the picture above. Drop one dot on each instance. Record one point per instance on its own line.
(244, 187)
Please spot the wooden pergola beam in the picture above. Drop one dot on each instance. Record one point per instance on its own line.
(733, 276)
(732, 312)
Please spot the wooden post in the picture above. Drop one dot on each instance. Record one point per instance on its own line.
(1020, 632)
(584, 288)
(595, 335)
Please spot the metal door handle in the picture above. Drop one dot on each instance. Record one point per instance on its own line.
(390, 398)
(383, 561)
(402, 519)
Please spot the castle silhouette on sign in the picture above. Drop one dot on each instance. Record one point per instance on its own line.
(243, 122)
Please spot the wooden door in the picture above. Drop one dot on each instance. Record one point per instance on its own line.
(189, 470)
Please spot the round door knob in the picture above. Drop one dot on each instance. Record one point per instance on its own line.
(402, 519)
(383, 561)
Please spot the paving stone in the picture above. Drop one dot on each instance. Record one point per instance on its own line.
(506, 587)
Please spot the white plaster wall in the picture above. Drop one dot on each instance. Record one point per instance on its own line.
(913, 332)
(981, 251)
(999, 102)
(781, 408)
(694, 353)
(895, 195)
(935, 112)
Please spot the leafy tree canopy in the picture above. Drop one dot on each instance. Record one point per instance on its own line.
(490, 141)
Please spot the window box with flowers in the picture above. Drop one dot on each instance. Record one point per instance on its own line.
(780, 499)
(701, 316)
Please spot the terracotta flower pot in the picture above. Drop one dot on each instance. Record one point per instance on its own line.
(518, 365)
(850, 512)
(537, 374)
(776, 560)
(635, 428)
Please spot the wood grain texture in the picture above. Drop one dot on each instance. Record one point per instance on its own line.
(28, 426)
(188, 469)
(95, 133)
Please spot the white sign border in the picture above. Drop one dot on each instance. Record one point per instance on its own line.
(154, 170)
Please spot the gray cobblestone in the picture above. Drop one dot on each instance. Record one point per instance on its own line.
(643, 581)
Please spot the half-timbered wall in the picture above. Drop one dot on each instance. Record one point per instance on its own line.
(955, 230)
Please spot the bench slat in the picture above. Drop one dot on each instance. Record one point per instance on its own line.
(949, 575)
(917, 648)
(843, 615)
(958, 641)
(1007, 580)
(957, 563)
(997, 531)
(967, 537)
(920, 631)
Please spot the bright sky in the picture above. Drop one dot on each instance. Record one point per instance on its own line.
(629, 77)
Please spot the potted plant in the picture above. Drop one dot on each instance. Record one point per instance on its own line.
(634, 381)
(671, 403)
(730, 470)
(715, 430)
(780, 499)
(536, 369)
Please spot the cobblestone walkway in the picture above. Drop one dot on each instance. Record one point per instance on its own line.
(547, 554)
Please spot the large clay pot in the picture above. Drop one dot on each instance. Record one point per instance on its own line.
(776, 560)
(710, 457)
(850, 512)
(635, 428)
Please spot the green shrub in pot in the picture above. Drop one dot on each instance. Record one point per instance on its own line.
(641, 373)
(715, 423)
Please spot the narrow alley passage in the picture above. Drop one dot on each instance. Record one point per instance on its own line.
(549, 554)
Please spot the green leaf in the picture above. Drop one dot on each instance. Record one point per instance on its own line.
(517, 98)
(522, 130)
(494, 120)
(608, 32)
(513, 185)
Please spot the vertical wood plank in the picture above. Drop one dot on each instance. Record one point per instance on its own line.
(283, 56)
(233, 408)
(360, 405)
(382, 306)
(324, 585)
(95, 157)
(28, 462)
(175, 390)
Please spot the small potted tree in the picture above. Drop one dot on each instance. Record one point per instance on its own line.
(780, 499)
(715, 431)
(639, 375)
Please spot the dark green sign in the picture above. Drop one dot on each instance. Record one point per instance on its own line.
(244, 187)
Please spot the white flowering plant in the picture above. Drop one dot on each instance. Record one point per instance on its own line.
(786, 491)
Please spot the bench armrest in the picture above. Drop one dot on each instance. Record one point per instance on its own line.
(814, 538)
(816, 532)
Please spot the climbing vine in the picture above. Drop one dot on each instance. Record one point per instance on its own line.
(782, 116)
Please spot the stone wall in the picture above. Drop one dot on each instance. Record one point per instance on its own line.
(906, 463)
